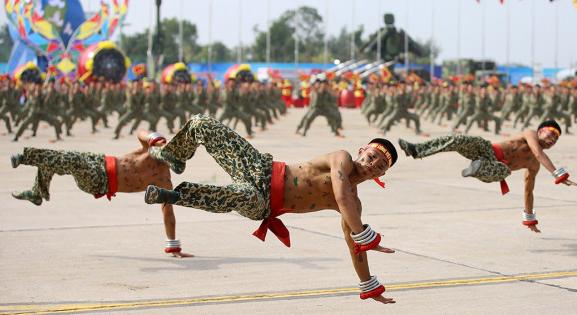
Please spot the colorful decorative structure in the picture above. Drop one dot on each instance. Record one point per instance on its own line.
(176, 73)
(54, 33)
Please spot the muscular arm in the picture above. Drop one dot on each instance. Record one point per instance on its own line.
(533, 142)
(341, 165)
(360, 262)
(530, 175)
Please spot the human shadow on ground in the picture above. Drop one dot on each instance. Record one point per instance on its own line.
(213, 263)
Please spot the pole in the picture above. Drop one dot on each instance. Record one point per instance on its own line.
(239, 50)
(180, 36)
(379, 33)
(326, 43)
(483, 35)
(406, 40)
(459, 38)
(533, 39)
(556, 4)
(209, 57)
(508, 54)
(268, 32)
(296, 37)
(353, 30)
(432, 56)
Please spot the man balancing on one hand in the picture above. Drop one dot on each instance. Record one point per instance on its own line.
(103, 175)
(264, 189)
(494, 162)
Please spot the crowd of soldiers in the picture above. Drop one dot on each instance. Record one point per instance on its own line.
(61, 105)
(467, 104)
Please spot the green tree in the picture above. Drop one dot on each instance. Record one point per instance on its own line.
(136, 45)
(304, 23)
(220, 53)
(5, 44)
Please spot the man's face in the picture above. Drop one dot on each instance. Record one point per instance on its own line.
(547, 137)
(371, 162)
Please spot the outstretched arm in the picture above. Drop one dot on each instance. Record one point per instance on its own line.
(533, 142)
(341, 165)
(360, 262)
(173, 244)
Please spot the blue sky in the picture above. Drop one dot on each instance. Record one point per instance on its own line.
(547, 17)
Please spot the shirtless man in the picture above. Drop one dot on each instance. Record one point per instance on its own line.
(102, 175)
(494, 162)
(263, 189)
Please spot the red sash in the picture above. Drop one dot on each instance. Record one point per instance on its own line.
(501, 158)
(276, 207)
(110, 165)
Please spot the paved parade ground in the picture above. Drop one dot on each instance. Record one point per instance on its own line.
(461, 248)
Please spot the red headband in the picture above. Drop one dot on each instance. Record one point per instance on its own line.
(388, 156)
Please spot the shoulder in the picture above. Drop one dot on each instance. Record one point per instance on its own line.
(340, 157)
(529, 134)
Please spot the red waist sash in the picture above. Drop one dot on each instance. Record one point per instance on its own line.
(273, 223)
(110, 165)
(501, 158)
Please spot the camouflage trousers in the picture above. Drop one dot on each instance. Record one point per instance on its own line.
(250, 170)
(472, 148)
(88, 169)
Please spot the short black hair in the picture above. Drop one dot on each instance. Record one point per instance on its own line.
(550, 123)
(389, 146)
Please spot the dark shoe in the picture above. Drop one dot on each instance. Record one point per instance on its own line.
(174, 164)
(28, 195)
(472, 170)
(156, 194)
(16, 159)
(408, 147)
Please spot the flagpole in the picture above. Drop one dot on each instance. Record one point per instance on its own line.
(508, 53)
(180, 35)
(209, 59)
(533, 39)
(483, 35)
(326, 43)
(239, 50)
(459, 38)
(268, 32)
(380, 25)
(432, 57)
(556, 4)
(296, 36)
(407, 37)
(353, 30)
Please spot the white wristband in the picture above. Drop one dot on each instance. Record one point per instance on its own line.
(559, 172)
(529, 216)
(369, 285)
(365, 237)
(172, 243)
(153, 135)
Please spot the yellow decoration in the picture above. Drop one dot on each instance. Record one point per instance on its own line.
(243, 67)
(106, 45)
(65, 65)
(180, 66)
(89, 64)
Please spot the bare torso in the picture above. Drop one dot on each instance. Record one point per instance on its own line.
(136, 170)
(308, 187)
(518, 154)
